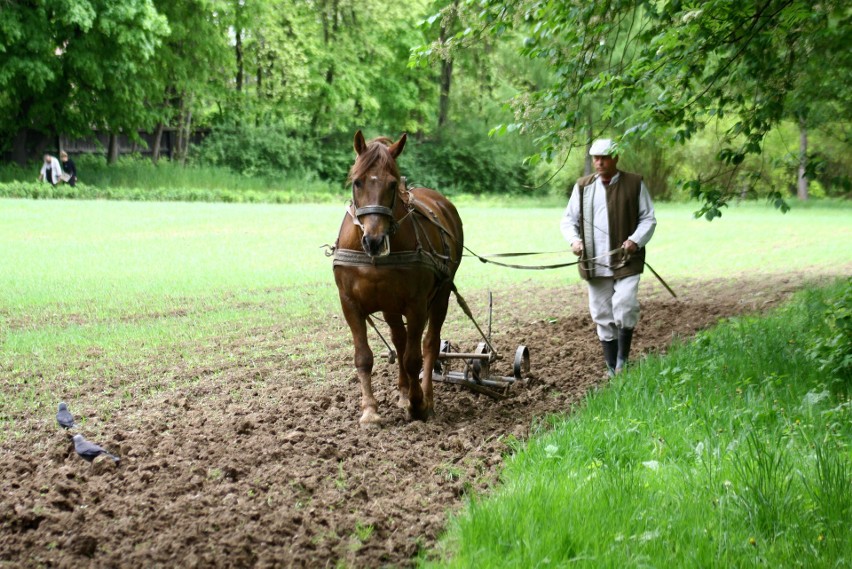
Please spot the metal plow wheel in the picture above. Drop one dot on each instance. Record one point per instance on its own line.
(475, 369)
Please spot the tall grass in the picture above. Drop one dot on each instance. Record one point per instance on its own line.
(732, 451)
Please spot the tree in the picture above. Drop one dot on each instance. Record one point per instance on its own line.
(667, 69)
(75, 66)
(190, 68)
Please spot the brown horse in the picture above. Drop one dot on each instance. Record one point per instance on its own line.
(397, 253)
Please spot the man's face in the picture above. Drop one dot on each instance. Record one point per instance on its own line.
(605, 165)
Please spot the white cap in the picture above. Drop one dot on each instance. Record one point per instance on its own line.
(601, 147)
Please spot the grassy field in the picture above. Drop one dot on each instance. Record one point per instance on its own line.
(121, 275)
(732, 451)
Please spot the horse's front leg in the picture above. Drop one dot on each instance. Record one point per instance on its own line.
(399, 337)
(364, 366)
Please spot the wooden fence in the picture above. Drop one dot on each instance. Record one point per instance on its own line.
(30, 146)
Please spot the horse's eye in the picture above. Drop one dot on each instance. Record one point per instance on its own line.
(358, 184)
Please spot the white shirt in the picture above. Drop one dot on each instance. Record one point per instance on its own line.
(570, 225)
(55, 170)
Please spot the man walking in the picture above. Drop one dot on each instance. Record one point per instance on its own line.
(608, 222)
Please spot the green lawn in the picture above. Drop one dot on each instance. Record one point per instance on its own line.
(79, 272)
(109, 258)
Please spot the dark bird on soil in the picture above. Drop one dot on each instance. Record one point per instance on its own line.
(89, 450)
(64, 417)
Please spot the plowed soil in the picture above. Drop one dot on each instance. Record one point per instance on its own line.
(259, 461)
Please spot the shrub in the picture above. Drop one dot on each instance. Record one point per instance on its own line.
(38, 190)
(265, 150)
(468, 161)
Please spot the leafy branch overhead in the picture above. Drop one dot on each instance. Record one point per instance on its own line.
(667, 70)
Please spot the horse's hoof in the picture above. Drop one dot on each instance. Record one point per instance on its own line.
(370, 420)
(423, 414)
(403, 402)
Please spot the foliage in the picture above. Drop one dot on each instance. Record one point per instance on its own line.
(265, 150)
(666, 70)
(326, 67)
(78, 64)
(466, 161)
(282, 86)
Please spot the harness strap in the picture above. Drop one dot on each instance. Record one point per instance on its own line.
(353, 258)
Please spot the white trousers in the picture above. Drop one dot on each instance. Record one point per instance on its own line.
(614, 304)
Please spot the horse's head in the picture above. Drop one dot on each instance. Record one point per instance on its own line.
(375, 188)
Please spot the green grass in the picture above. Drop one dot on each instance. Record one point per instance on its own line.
(732, 451)
(107, 259)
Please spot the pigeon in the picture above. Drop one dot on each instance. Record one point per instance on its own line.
(90, 451)
(64, 417)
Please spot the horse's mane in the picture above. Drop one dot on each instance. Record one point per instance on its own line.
(376, 156)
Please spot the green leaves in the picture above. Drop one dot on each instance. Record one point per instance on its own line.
(672, 67)
(79, 61)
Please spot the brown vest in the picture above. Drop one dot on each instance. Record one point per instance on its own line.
(622, 205)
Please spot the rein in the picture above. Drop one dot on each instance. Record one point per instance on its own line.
(487, 259)
(348, 257)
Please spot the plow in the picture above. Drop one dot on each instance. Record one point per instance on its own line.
(473, 369)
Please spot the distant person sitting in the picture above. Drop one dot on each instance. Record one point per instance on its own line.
(51, 171)
(69, 169)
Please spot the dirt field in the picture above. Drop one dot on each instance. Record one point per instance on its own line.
(260, 462)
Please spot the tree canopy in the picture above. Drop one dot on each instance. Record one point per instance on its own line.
(283, 85)
(667, 70)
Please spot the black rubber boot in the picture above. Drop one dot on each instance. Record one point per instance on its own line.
(625, 337)
(610, 349)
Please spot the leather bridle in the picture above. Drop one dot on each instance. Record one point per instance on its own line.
(376, 210)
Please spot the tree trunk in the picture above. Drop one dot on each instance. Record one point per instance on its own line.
(178, 144)
(188, 126)
(446, 72)
(238, 50)
(112, 153)
(330, 27)
(444, 100)
(802, 186)
(155, 148)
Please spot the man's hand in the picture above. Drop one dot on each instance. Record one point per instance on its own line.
(630, 246)
(577, 247)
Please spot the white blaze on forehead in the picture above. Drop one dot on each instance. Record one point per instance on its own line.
(374, 177)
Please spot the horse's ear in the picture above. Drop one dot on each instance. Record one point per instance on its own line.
(396, 148)
(360, 143)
